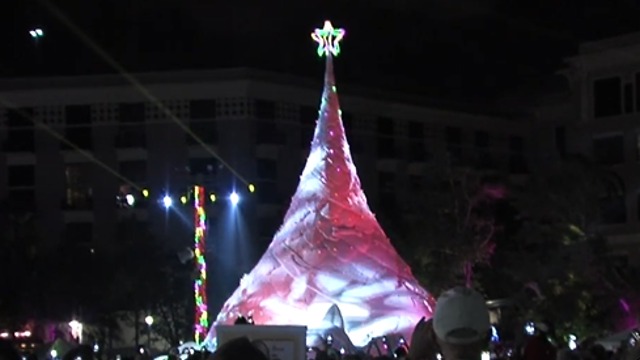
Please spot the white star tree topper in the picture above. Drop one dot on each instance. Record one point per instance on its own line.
(328, 39)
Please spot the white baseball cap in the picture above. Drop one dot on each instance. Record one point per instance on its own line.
(461, 316)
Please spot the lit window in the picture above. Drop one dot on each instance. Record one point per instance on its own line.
(79, 194)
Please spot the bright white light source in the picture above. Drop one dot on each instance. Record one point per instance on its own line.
(76, 329)
(234, 198)
(130, 199)
(573, 342)
(53, 353)
(148, 320)
(167, 201)
(36, 33)
(529, 329)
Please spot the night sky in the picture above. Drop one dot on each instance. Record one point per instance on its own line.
(464, 50)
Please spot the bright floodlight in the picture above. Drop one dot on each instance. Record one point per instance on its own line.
(148, 320)
(234, 198)
(36, 33)
(130, 199)
(167, 201)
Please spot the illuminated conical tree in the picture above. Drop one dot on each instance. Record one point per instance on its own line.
(330, 249)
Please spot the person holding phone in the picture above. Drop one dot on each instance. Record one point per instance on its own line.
(459, 330)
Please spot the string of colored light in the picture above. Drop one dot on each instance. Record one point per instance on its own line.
(200, 283)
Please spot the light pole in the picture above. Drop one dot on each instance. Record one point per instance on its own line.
(149, 321)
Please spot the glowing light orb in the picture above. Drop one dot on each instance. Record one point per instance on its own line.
(234, 198)
(167, 201)
(130, 199)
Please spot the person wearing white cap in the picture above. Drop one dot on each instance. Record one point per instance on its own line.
(460, 327)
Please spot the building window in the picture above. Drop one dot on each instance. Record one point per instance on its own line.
(268, 192)
(416, 130)
(613, 208)
(386, 182)
(134, 170)
(308, 118)
(267, 132)
(78, 127)
(416, 183)
(80, 233)
(20, 131)
(637, 145)
(266, 129)
(609, 150)
(265, 109)
(203, 166)
(267, 169)
(387, 191)
(79, 193)
(417, 151)
(607, 97)
(132, 113)
(481, 144)
(203, 109)
(516, 144)
(628, 98)
(202, 122)
(517, 160)
(205, 129)
(385, 138)
(637, 97)
(21, 176)
(22, 200)
(561, 140)
(132, 131)
(417, 146)
(453, 138)
(268, 227)
(481, 139)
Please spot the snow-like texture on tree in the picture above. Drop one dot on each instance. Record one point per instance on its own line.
(330, 251)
